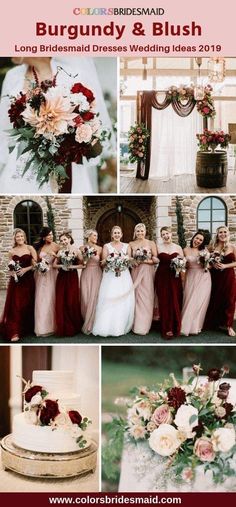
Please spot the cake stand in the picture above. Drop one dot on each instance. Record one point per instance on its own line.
(48, 466)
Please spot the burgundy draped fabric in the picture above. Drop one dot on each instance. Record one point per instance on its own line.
(146, 100)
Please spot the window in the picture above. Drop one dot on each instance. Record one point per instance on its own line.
(211, 213)
(28, 216)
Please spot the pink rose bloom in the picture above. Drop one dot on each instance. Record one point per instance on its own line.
(203, 449)
(140, 154)
(140, 141)
(83, 134)
(162, 415)
(206, 110)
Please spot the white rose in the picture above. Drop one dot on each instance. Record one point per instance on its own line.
(223, 439)
(31, 417)
(83, 133)
(36, 400)
(164, 440)
(183, 416)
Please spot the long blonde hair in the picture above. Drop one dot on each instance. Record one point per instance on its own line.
(215, 242)
(15, 232)
(116, 227)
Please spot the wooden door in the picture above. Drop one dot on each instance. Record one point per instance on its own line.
(125, 218)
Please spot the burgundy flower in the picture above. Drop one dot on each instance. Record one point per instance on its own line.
(223, 391)
(88, 116)
(78, 120)
(176, 397)
(75, 417)
(199, 429)
(228, 408)
(46, 84)
(31, 392)
(214, 374)
(15, 111)
(48, 412)
(79, 88)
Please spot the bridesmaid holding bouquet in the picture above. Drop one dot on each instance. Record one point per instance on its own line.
(90, 279)
(68, 314)
(45, 284)
(168, 285)
(197, 285)
(143, 251)
(220, 313)
(18, 314)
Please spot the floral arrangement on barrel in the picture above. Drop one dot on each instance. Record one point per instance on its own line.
(138, 136)
(40, 410)
(55, 127)
(210, 139)
(186, 425)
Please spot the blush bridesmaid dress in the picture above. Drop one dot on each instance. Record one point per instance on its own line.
(143, 279)
(221, 308)
(90, 281)
(45, 299)
(170, 294)
(18, 313)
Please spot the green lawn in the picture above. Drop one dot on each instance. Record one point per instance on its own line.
(119, 378)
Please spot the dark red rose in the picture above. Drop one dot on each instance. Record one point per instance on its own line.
(31, 392)
(48, 412)
(176, 397)
(15, 111)
(199, 429)
(78, 120)
(112, 254)
(223, 390)
(88, 116)
(228, 408)
(79, 88)
(214, 374)
(75, 417)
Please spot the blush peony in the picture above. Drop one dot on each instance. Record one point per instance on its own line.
(204, 450)
(83, 134)
(162, 415)
(223, 439)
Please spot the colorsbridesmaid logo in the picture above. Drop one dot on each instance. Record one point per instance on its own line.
(118, 11)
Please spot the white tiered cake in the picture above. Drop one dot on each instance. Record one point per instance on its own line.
(51, 420)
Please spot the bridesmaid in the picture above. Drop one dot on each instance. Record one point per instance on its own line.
(197, 287)
(168, 287)
(221, 309)
(18, 314)
(68, 314)
(143, 277)
(90, 279)
(45, 285)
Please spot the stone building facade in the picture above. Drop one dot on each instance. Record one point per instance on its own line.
(77, 213)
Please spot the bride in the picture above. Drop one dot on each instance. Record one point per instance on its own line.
(18, 79)
(115, 307)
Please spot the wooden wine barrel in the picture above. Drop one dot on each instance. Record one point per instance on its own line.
(211, 169)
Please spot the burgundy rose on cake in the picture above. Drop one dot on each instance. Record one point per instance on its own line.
(41, 410)
(188, 425)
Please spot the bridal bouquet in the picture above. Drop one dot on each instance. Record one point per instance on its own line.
(186, 425)
(55, 127)
(40, 410)
(210, 139)
(117, 262)
(205, 259)
(42, 267)
(15, 267)
(178, 264)
(67, 259)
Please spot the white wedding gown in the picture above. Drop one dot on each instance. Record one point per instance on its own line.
(115, 307)
(84, 176)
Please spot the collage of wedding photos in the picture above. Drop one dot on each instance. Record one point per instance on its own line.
(117, 274)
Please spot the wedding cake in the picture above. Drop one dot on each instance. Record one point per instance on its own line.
(51, 421)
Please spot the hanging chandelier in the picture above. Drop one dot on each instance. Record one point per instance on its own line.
(198, 89)
(216, 69)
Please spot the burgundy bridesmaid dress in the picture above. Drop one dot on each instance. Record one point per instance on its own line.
(170, 294)
(18, 313)
(68, 314)
(221, 308)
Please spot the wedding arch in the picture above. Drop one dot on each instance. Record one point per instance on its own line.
(182, 101)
